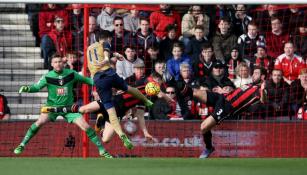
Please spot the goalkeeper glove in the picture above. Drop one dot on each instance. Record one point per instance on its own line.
(24, 89)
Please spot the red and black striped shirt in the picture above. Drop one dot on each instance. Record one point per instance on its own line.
(243, 97)
(129, 100)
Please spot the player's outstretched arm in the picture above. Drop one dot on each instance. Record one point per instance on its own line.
(35, 87)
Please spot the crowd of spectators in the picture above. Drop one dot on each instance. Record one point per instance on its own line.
(215, 47)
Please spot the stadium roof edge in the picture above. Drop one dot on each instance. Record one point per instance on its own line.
(162, 1)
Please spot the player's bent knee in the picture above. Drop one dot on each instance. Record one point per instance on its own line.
(207, 124)
(105, 140)
(85, 125)
(82, 124)
(41, 120)
(38, 124)
(203, 128)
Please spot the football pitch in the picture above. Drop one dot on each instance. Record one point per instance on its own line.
(152, 166)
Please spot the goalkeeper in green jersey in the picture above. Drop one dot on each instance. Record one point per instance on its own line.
(59, 83)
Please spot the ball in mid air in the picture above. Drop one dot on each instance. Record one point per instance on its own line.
(152, 89)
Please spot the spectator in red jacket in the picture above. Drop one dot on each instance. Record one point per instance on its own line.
(276, 38)
(76, 26)
(47, 15)
(290, 63)
(159, 20)
(4, 108)
(57, 40)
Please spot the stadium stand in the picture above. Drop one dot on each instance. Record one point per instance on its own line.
(20, 61)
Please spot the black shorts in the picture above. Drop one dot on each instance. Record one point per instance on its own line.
(104, 82)
(222, 108)
(120, 110)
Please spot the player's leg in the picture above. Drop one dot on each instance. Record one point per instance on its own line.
(34, 128)
(120, 83)
(104, 89)
(137, 94)
(116, 126)
(83, 125)
(207, 137)
(220, 110)
(93, 107)
(108, 133)
(205, 128)
(75, 108)
(88, 108)
(207, 124)
(102, 116)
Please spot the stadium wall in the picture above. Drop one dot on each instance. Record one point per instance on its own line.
(172, 139)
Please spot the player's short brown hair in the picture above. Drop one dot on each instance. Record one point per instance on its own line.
(55, 55)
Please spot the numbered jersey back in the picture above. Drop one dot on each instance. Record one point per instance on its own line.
(95, 55)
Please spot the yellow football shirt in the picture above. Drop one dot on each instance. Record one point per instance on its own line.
(95, 55)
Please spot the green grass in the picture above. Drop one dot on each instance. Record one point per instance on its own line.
(154, 166)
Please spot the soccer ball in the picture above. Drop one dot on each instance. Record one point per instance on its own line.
(152, 89)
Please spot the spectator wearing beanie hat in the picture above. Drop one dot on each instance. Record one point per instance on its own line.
(262, 59)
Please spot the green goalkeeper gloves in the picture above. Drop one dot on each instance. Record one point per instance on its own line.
(24, 89)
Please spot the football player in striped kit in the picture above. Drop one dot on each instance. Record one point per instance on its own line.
(226, 105)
